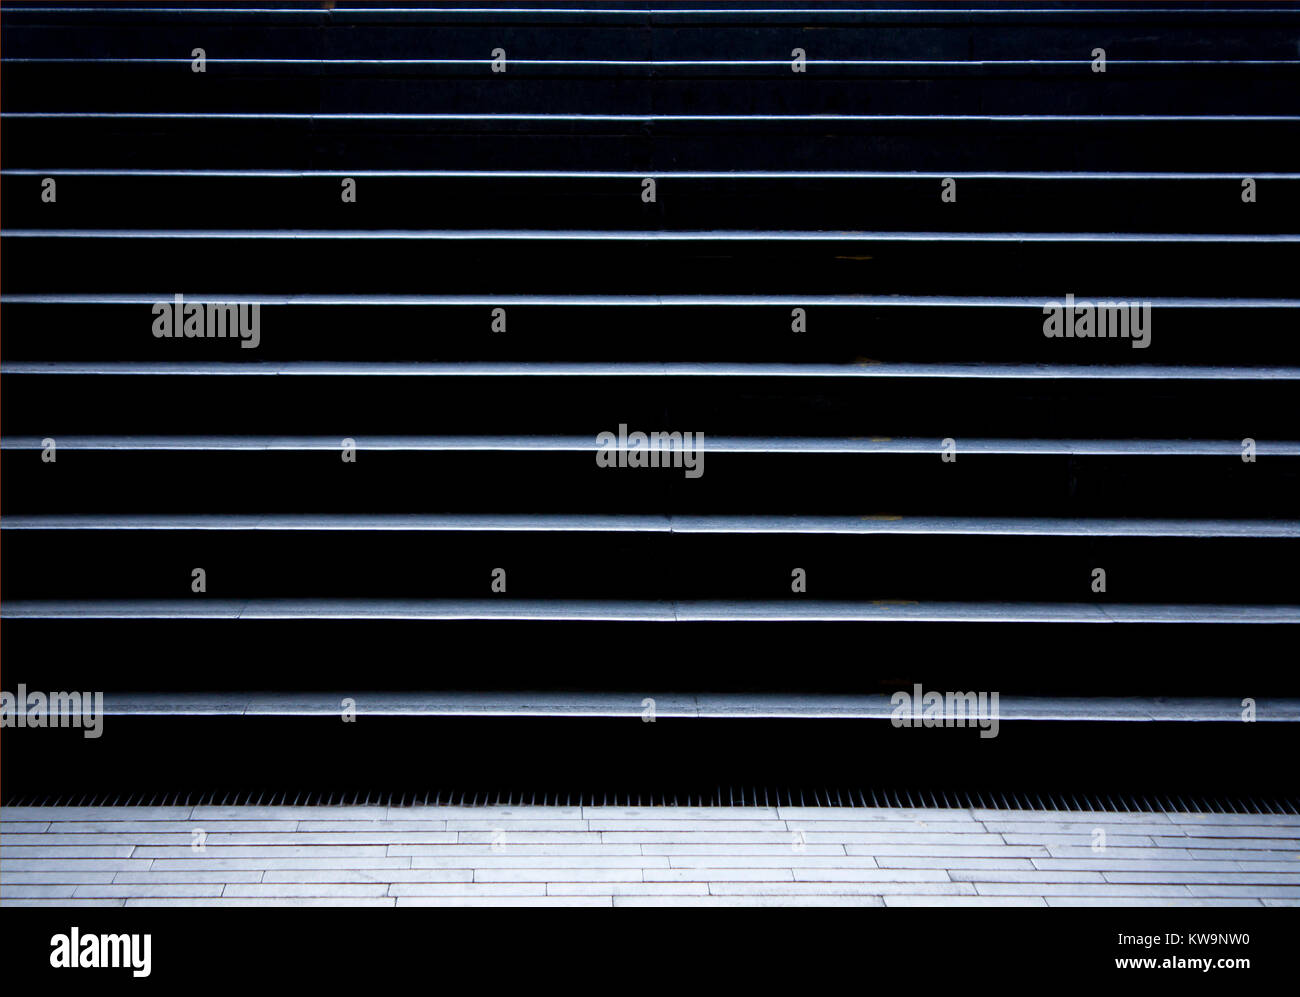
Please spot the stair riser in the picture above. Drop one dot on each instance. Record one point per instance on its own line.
(253, 482)
(106, 564)
(646, 659)
(49, 406)
(1141, 144)
(1013, 204)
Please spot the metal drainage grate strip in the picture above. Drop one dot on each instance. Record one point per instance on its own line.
(909, 798)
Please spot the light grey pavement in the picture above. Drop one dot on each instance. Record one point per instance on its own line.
(620, 856)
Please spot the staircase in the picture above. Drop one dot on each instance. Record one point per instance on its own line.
(477, 239)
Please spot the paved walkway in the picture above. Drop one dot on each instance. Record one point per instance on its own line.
(613, 856)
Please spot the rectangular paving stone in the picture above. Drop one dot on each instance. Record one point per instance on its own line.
(856, 900)
(627, 889)
(1072, 816)
(509, 861)
(53, 878)
(467, 889)
(368, 876)
(638, 814)
(1021, 876)
(24, 891)
(950, 862)
(306, 890)
(165, 877)
(97, 813)
(587, 875)
(705, 874)
(267, 851)
(875, 814)
(263, 902)
(71, 863)
(64, 902)
(1144, 902)
(603, 901)
(261, 862)
(1237, 878)
(152, 890)
(1080, 889)
(963, 901)
(511, 849)
(484, 813)
(70, 851)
